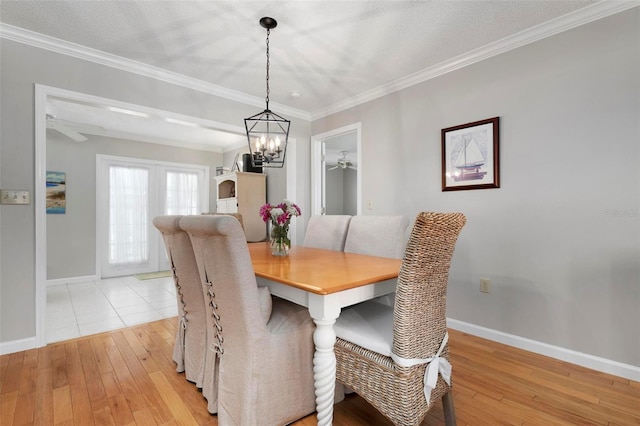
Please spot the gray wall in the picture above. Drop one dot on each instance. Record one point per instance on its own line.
(71, 237)
(334, 190)
(350, 200)
(341, 191)
(560, 239)
(22, 67)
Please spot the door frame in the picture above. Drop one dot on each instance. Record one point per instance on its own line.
(157, 171)
(41, 95)
(317, 173)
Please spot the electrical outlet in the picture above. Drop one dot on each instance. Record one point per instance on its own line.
(485, 285)
(369, 205)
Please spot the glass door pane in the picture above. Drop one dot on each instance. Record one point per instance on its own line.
(128, 216)
(131, 192)
(182, 194)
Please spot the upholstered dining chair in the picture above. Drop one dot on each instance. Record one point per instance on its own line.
(211, 361)
(189, 348)
(236, 215)
(398, 358)
(327, 232)
(383, 236)
(264, 346)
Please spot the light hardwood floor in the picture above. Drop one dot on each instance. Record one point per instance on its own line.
(127, 377)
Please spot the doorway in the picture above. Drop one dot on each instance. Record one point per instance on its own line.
(43, 96)
(336, 170)
(132, 191)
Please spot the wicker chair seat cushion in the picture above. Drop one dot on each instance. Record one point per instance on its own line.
(369, 325)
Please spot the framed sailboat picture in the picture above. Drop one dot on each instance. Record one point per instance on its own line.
(470, 156)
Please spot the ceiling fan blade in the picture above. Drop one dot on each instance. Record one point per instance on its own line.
(70, 133)
(334, 167)
(55, 124)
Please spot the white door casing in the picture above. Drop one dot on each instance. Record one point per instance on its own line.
(41, 96)
(318, 166)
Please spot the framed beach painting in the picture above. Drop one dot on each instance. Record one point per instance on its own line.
(470, 156)
(56, 192)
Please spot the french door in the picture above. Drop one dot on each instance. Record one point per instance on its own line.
(131, 192)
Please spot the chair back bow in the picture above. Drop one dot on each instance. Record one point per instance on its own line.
(437, 364)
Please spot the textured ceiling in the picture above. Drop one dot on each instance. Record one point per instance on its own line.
(328, 51)
(334, 54)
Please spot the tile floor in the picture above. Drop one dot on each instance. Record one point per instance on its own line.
(91, 307)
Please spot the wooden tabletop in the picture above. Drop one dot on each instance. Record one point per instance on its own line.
(321, 271)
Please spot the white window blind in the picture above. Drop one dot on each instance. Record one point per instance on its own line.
(131, 192)
(128, 215)
(183, 194)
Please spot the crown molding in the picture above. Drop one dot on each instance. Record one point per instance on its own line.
(575, 19)
(79, 51)
(580, 17)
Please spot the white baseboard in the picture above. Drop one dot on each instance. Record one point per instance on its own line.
(71, 280)
(30, 342)
(17, 345)
(604, 365)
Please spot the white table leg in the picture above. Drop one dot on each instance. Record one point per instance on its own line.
(324, 314)
(324, 370)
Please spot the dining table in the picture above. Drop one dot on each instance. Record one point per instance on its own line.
(324, 281)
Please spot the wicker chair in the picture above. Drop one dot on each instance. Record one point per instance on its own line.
(265, 350)
(383, 353)
(327, 232)
(190, 345)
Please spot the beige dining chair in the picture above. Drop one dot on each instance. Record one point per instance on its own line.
(327, 232)
(236, 215)
(264, 346)
(383, 236)
(211, 361)
(189, 348)
(397, 358)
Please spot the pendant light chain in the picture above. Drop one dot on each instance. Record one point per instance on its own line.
(267, 132)
(267, 99)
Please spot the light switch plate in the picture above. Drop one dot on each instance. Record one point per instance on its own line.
(12, 196)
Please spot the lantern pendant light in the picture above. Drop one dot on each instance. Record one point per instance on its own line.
(267, 132)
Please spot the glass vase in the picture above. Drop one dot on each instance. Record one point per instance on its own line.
(280, 242)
